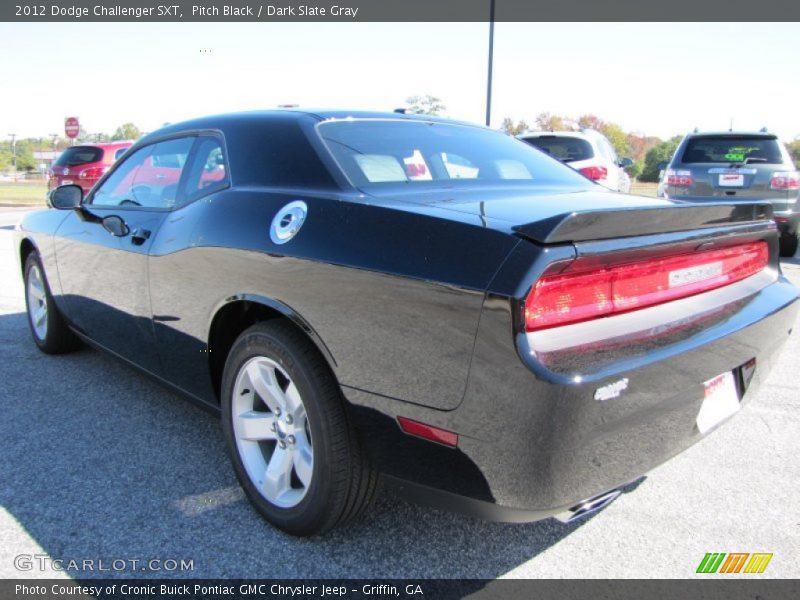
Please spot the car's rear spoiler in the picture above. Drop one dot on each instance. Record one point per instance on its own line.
(604, 224)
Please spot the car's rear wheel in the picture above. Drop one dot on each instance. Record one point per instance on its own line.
(48, 327)
(292, 446)
(789, 244)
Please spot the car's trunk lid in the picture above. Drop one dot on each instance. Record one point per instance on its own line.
(553, 215)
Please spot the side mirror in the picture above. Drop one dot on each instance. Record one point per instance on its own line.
(626, 162)
(66, 197)
(115, 226)
(662, 165)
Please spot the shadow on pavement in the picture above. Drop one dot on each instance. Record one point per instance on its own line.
(101, 463)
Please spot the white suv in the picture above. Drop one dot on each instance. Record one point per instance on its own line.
(587, 151)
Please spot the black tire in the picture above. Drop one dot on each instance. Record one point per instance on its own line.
(57, 338)
(342, 483)
(789, 245)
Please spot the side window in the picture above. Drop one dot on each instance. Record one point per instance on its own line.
(149, 177)
(155, 184)
(208, 170)
(116, 190)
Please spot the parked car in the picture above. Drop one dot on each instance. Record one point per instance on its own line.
(587, 151)
(360, 293)
(734, 165)
(84, 165)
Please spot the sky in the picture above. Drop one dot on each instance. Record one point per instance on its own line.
(659, 79)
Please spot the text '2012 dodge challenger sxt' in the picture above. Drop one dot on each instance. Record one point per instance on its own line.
(438, 303)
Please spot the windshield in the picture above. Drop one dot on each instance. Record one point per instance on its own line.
(732, 149)
(79, 155)
(564, 148)
(376, 152)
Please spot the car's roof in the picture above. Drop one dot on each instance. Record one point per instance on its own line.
(288, 114)
(321, 114)
(561, 133)
(729, 133)
(104, 145)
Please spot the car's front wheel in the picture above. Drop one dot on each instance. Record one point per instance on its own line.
(292, 446)
(49, 329)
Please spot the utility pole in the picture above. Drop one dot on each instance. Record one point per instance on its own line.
(491, 60)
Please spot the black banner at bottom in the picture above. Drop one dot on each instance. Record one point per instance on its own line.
(406, 589)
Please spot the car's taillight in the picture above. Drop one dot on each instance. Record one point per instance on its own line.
(93, 172)
(562, 299)
(595, 173)
(785, 180)
(679, 177)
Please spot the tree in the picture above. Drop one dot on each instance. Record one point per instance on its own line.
(24, 152)
(590, 121)
(635, 169)
(661, 153)
(549, 122)
(618, 139)
(425, 105)
(127, 131)
(642, 144)
(794, 150)
(512, 128)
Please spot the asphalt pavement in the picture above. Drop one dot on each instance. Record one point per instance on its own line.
(99, 463)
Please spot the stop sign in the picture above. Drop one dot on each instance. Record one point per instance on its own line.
(71, 127)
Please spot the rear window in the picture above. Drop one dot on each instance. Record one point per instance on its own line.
(566, 149)
(375, 152)
(79, 155)
(732, 149)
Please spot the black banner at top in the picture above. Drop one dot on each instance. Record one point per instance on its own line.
(398, 10)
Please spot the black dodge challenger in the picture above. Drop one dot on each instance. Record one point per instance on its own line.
(365, 293)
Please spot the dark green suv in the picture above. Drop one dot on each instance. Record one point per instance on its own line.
(738, 166)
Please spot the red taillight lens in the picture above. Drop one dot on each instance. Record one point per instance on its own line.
(563, 299)
(785, 180)
(93, 173)
(595, 173)
(679, 177)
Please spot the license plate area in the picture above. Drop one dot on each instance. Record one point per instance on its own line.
(722, 399)
(731, 180)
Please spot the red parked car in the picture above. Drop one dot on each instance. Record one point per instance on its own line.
(83, 165)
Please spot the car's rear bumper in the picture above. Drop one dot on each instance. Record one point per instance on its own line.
(533, 440)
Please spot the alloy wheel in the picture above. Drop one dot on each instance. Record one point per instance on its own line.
(271, 431)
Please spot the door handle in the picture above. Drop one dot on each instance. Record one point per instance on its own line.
(140, 236)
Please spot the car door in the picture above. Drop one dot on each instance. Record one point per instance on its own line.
(104, 274)
(174, 290)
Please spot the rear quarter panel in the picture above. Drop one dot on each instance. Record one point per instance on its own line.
(395, 296)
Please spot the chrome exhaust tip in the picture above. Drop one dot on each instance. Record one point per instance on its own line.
(587, 507)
